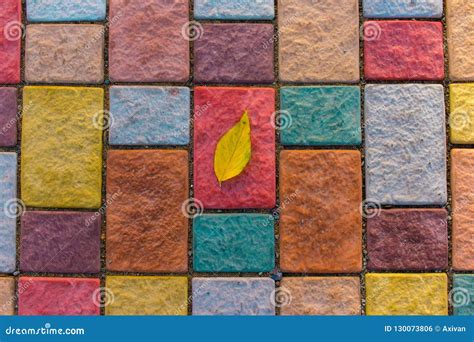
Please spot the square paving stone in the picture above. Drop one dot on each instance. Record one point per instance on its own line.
(65, 10)
(320, 296)
(149, 115)
(64, 53)
(406, 294)
(462, 295)
(403, 50)
(8, 116)
(10, 41)
(62, 147)
(58, 296)
(320, 116)
(318, 40)
(149, 41)
(321, 223)
(7, 296)
(216, 111)
(407, 240)
(60, 242)
(461, 118)
(9, 205)
(147, 230)
(403, 8)
(234, 243)
(405, 144)
(147, 295)
(234, 53)
(234, 10)
(462, 186)
(233, 296)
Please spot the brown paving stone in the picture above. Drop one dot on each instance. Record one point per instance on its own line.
(7, 291)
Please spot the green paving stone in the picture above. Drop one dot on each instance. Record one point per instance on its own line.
(462, 295)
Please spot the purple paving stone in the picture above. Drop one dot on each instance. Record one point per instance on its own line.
(8, 118)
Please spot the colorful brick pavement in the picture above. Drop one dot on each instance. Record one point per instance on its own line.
(358, 198)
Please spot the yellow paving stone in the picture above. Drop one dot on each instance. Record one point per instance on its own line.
(462, 113)
(61, 159)
(407, 294)
(137, 295)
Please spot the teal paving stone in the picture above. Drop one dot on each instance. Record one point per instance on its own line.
(65, 10)
(234, 9)
(9, 206)
(234, 243)
(462, 295)
(149, 115)
(403, 8)
(320, 116)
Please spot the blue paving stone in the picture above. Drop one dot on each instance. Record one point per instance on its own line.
(320, 116)
(149, 115)
(233, 296)
(234, 243)
(405, 144)
(8, 205)
(403, 8)
(462, 295)
(65, 10)
(234, 9)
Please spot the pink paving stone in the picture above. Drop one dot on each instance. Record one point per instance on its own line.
(8, 116)
(146, 41)
(11, 32)
(403, 50)
(216, 111)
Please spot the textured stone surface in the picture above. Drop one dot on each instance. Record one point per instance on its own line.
(216, 111)
(403, 50)
(61, 242)
(321, 225)
(65, 10)
(405, 144)
(403, 8)
(462, 187)
(147, 41)
(149, 115)
(233, 296)
(58, 296)
(147, 230)
(147, 295)
(236, 9)
(408, 239)
(461, 119)
(10, 41)
(234, 243)
(7, 292)
(64, 53)
(62, 147)
(234, 53)
(320, 116)
(8, 116)
(320, 296)
(8, 206)
(318, 40)
(406, 294)
(462, 296)
(460, 20)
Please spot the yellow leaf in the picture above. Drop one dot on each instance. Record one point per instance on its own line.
(233, 150)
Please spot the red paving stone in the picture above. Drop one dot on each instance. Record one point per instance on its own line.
(11, 31)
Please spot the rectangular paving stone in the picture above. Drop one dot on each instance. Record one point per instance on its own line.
(234, 10)
(234, 243)
(403, 8)
(321, 223)
(149, 40)
(318, 40)
(233, 296)
(60, 242)
(319, 296)
(320, 116)
(8, 116)
(407, 240)
(405, 144)
(461, 117)
(462, 295)
(38, 296)
(10, 206)
(64, 53)
(147, 227)
(403, 50)
(62, 147)
(10, 41)
(462, 187)
(406, 294)
(7, 296)
(149, 115)
(147, 295)
(234, 53)
(216, 110)
(65, 10)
